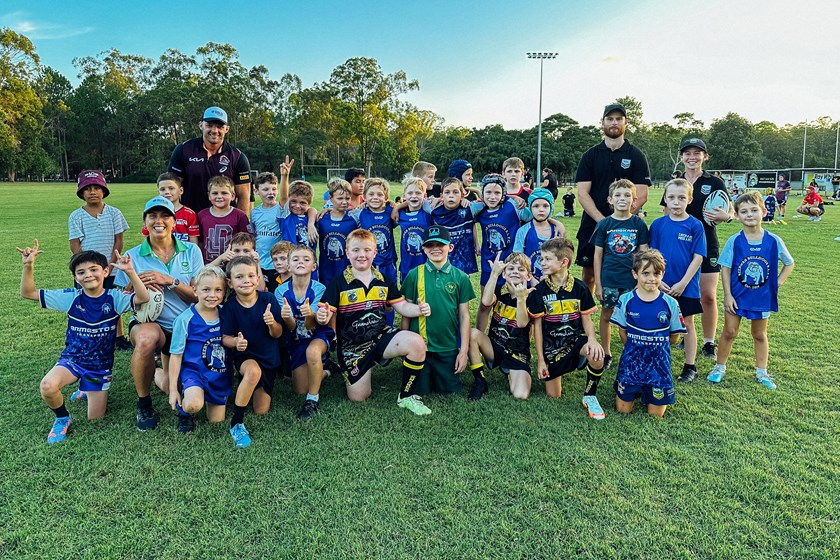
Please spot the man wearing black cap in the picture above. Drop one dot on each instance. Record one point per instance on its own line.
(614, 158)
(199, 159)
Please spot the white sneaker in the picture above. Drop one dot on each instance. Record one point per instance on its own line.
(837, 238)
(817, 218)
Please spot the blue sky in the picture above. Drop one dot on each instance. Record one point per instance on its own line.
(765, 60)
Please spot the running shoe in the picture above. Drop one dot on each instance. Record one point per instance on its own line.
(240, 436)
(415, 404)
(710, 350)
(716, 375)
(607, 362)
(478, 390)
(59, 429)
(766, 380)
(593, 407)
(309, 409)
(688, 375)
(78, 395)
(186, 423)
(146, 419)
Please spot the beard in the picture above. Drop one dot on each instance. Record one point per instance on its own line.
(614, 131)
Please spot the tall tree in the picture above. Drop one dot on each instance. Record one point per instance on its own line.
(734, 143)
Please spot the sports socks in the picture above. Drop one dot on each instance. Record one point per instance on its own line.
(238, 415)
(144, 402)
(61, 411)
(761, 372)
(692, 367)
(478, 371)
(311, 397)
(410, 371)
(593, 377)
(708, 340)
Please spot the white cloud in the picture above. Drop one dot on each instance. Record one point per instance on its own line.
(19, 22)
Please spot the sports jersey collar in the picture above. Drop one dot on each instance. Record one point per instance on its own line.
(349, 278)
(146, 247)
(445, 269)
(624, 147)
(567, 287)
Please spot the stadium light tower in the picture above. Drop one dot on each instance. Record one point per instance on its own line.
(542, 56)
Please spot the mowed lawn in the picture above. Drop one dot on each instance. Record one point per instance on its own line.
(733, 471)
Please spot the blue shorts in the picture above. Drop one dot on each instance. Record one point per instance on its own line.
(88, 380)
(648, 394)
(611, 296)
(752, 315)
(297, 349)
(216, 386)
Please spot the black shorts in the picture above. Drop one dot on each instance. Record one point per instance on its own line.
(503, 359)
(269, 375)
(570, 362)
(371, 353)
(689, 306)
(585, 254)
(710, 265)
(167, 335)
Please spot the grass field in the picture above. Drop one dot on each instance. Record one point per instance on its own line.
(733, 471)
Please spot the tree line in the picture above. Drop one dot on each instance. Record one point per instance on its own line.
(128, 112)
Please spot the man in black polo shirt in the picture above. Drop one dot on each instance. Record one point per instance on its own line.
(614, 158)
(199, 159)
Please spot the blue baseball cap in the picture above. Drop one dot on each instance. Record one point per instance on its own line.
(158, 202)
(215, 114)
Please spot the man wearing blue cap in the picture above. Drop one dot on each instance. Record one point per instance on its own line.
(199, 159)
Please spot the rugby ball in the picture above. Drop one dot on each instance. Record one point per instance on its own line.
(715, 200)
(150, 311)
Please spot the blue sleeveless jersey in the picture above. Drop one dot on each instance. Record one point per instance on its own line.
(382, 227)
(459, 221)
(201, 344)
(533, 242)
(498, 229)
(294, 230)
(314, 293)
(754, 280)
(332, 241)
(413, 225)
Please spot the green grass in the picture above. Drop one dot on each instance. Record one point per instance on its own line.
(733, 471)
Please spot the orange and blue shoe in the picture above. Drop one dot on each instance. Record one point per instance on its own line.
(78, 396)
(59, 429)
(593, 407)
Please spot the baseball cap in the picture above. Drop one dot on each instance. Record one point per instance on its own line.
(693, 143)
(436, 234)
(615, 107)
(90, 177)
(158, 202)
(215, 114)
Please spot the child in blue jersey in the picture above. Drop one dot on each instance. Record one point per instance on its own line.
(376, 218)
(499, 219)
(307, 341)
(198, 366)
(616, 238)
(533, 234)
(265, 223)
(92, 316)
(413, 221)
(649, 321)
(680, 238)
(770, 206)
(751, 279)
(333, 228)
(297, 217)
(461, 225)
(251, 325)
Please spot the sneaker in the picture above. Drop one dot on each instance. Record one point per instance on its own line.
(59, 429)
(716, 375)
(124, 344)
(478, 390)
(817, 218)
(186, 423)
(766, 380)
(240, 436)
(607, 362)
(593, 407)
(309, 409)
(837, 238)
(78, 395)
(710, 350)
(331, 367)
(680, 345)
(688, 375)
(415, 404)
(146, 419)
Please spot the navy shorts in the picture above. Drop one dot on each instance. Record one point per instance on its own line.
(648, 394)
(88, 380)
(216, 386)
(585, 254)
(297, 349)
(689, 306)
(503, 360)
(352, 373)
(269, 375)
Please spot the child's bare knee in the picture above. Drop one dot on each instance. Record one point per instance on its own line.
(49, 386)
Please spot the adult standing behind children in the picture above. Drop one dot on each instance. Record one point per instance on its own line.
(549, 181)
(169, 265)
(782, 192)
(199, 159)
(614, 158)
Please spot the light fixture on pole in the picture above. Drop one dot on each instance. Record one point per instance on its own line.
(542, 56)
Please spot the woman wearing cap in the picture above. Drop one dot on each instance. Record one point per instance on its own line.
(169, 265)
(693, 153)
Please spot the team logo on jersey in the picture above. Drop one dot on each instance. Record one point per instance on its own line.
(352, 297)
(753, 272)
(451, 287)
(705, 189)
(625, 164)
(106, 309)
(663, 317)
(224, 160)
(462, 213)
(658, 393)
(213, 355)
(185, 267)
(382, 293)
(223, 169)
(196, 159)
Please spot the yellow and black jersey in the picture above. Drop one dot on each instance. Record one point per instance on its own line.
(561, 309)
(504, 330)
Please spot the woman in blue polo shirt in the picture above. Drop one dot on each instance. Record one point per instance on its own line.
(169, 265)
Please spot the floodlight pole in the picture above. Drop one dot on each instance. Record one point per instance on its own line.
(542, 56)
(804, 144)
(836, 145)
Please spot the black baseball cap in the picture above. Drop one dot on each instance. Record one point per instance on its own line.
(693, 143)
(615, 107)
(436, 234)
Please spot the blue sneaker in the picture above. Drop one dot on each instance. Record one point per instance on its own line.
(59, 429)
(766, 380)
(716, 375)
(593, 407)
(78, 396)
(240, 436)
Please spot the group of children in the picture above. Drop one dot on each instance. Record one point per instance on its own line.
(261, 308)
